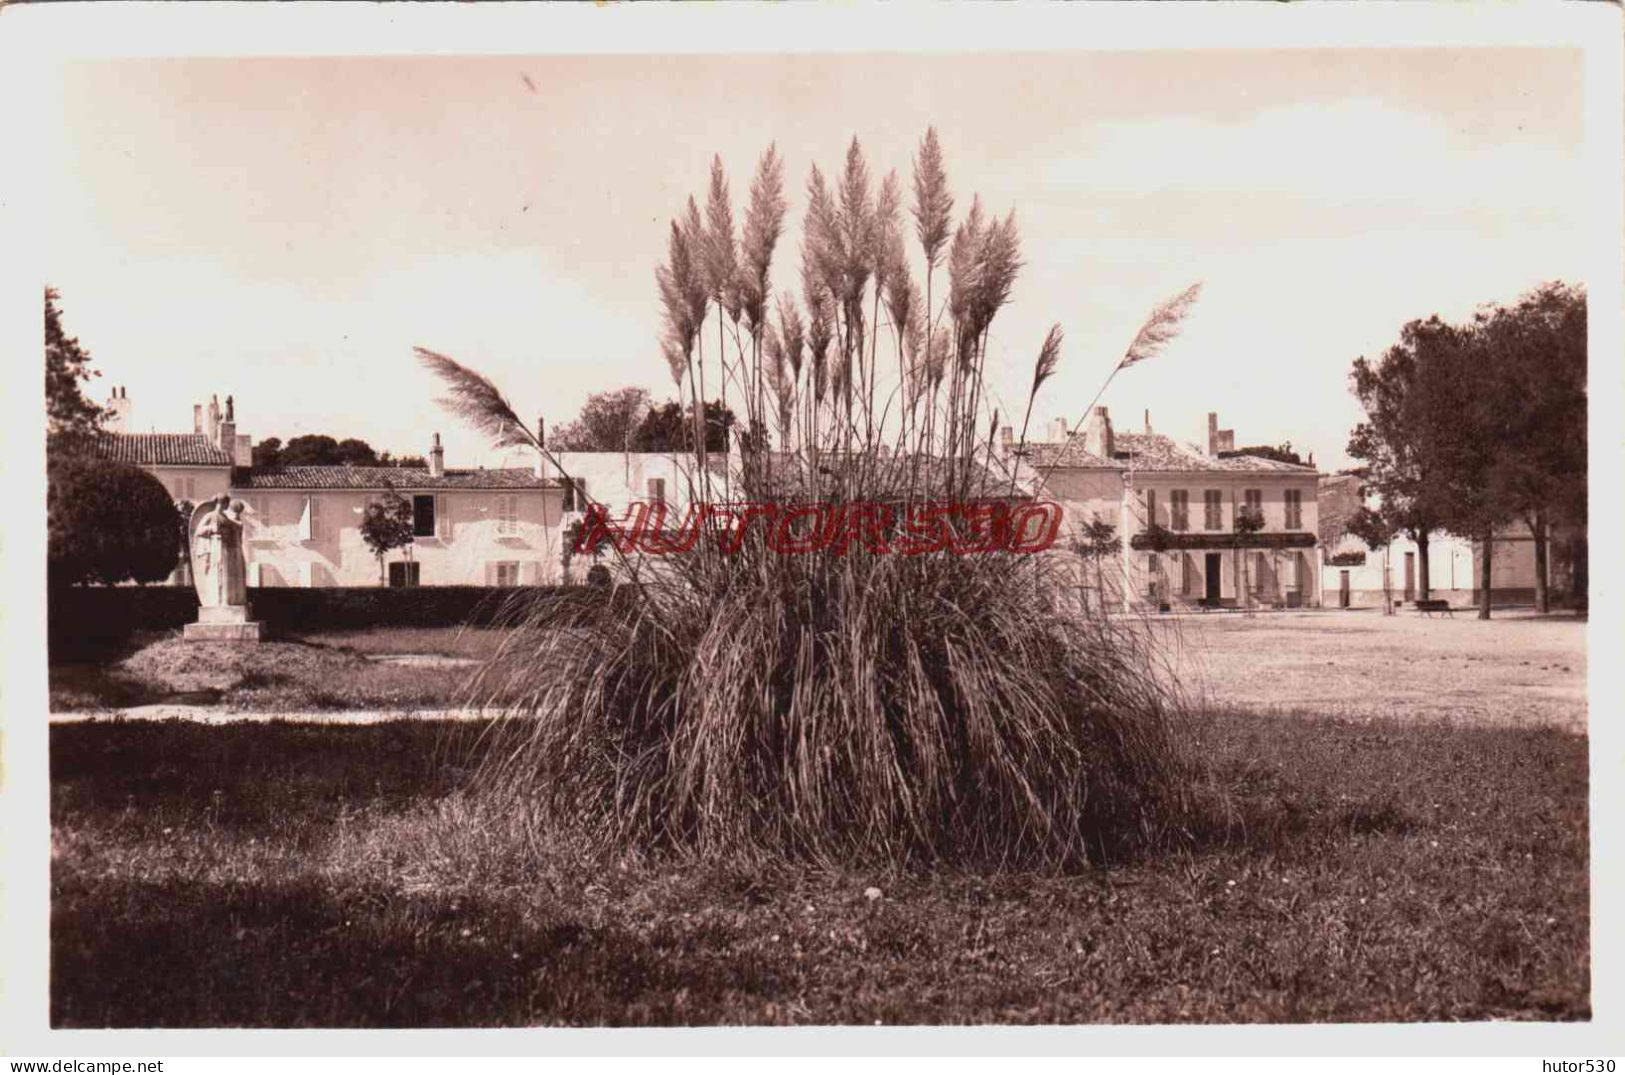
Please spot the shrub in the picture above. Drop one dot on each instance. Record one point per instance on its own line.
(852, 707)
(108, 523)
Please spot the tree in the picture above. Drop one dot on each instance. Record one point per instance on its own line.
(1411, 441)
(1281, 454)
(1249, 521)
(669, 428)
(268, 453)
(1535, 355)
(70, 417)
(108, 523)
(355, 453)
(321, 450)
(386, 524)
(1096, 542)
(607, 422)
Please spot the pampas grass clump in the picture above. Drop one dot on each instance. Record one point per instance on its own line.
(858, 707)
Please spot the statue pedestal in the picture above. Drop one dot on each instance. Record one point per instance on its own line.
(225, 623)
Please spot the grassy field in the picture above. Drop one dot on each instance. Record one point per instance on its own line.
(1516, 670)
(1377, 868)
(332, 670)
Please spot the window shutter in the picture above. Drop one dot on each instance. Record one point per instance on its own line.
(254, 570)
(490, 573)
(305, 523)
(442, 519)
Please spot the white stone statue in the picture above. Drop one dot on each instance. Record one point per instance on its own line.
(218, 569)
(219, 572)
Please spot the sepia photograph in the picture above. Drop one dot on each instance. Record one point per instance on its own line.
(782, 537)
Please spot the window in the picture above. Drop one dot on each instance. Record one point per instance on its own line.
(1187, 574)
(657, 490)
(1179, 506)
(505, 573)
(423, 515)
(404, 573)
(1254, 499)
(507, 514)
(1212, 509)
(1152, 569)
(575, 494)
(1294, 509)
(1150, 507)
(310, 522)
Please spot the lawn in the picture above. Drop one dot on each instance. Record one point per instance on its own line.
(1516, 670)
(1378, 868)
(401, 669)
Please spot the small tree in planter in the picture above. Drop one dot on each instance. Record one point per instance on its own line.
(1096, 542)
(572, 539)
(1249, 521)
(386, 524)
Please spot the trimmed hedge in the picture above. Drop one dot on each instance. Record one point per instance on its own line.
(113, 612)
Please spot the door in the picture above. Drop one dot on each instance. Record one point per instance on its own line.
(1211, 576)
(1342, 589)
(403, 573)
(1410, 576)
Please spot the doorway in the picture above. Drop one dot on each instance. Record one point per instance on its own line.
(1342, 589)
(403, 573)
(1210, 577)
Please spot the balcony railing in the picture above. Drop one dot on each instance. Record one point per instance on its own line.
(1168, 540)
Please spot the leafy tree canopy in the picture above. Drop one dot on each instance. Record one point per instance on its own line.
(319, 449)
(386, 525)
(607, 422)
(627, 420)
(108, 523)
(1281, 454)
(70, 416)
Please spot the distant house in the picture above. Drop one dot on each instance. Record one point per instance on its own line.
(1174, 508)
(498, 527)
(1355, 576)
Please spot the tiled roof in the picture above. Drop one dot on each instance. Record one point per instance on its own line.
(1044, 455)
(1152, 451)
(161, 449)
(344, 477)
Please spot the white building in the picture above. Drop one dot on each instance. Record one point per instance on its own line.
(1173, 508)
(498, 527)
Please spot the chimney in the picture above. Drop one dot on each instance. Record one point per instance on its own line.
(1058, 430)
(541, 442)
(437, 459)
(1006, 439)
(226, 431)
(197, 418)
(1219, 440)
(1097, 433)
(118, 411)
(213, 428)
(1148, 421)
(242, 453)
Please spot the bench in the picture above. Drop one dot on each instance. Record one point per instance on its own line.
(1432, 605)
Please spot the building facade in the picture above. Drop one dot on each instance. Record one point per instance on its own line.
(1355, 576)
(302, 525)
(1168, 513)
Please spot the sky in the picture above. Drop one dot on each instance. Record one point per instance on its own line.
(286, 230)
